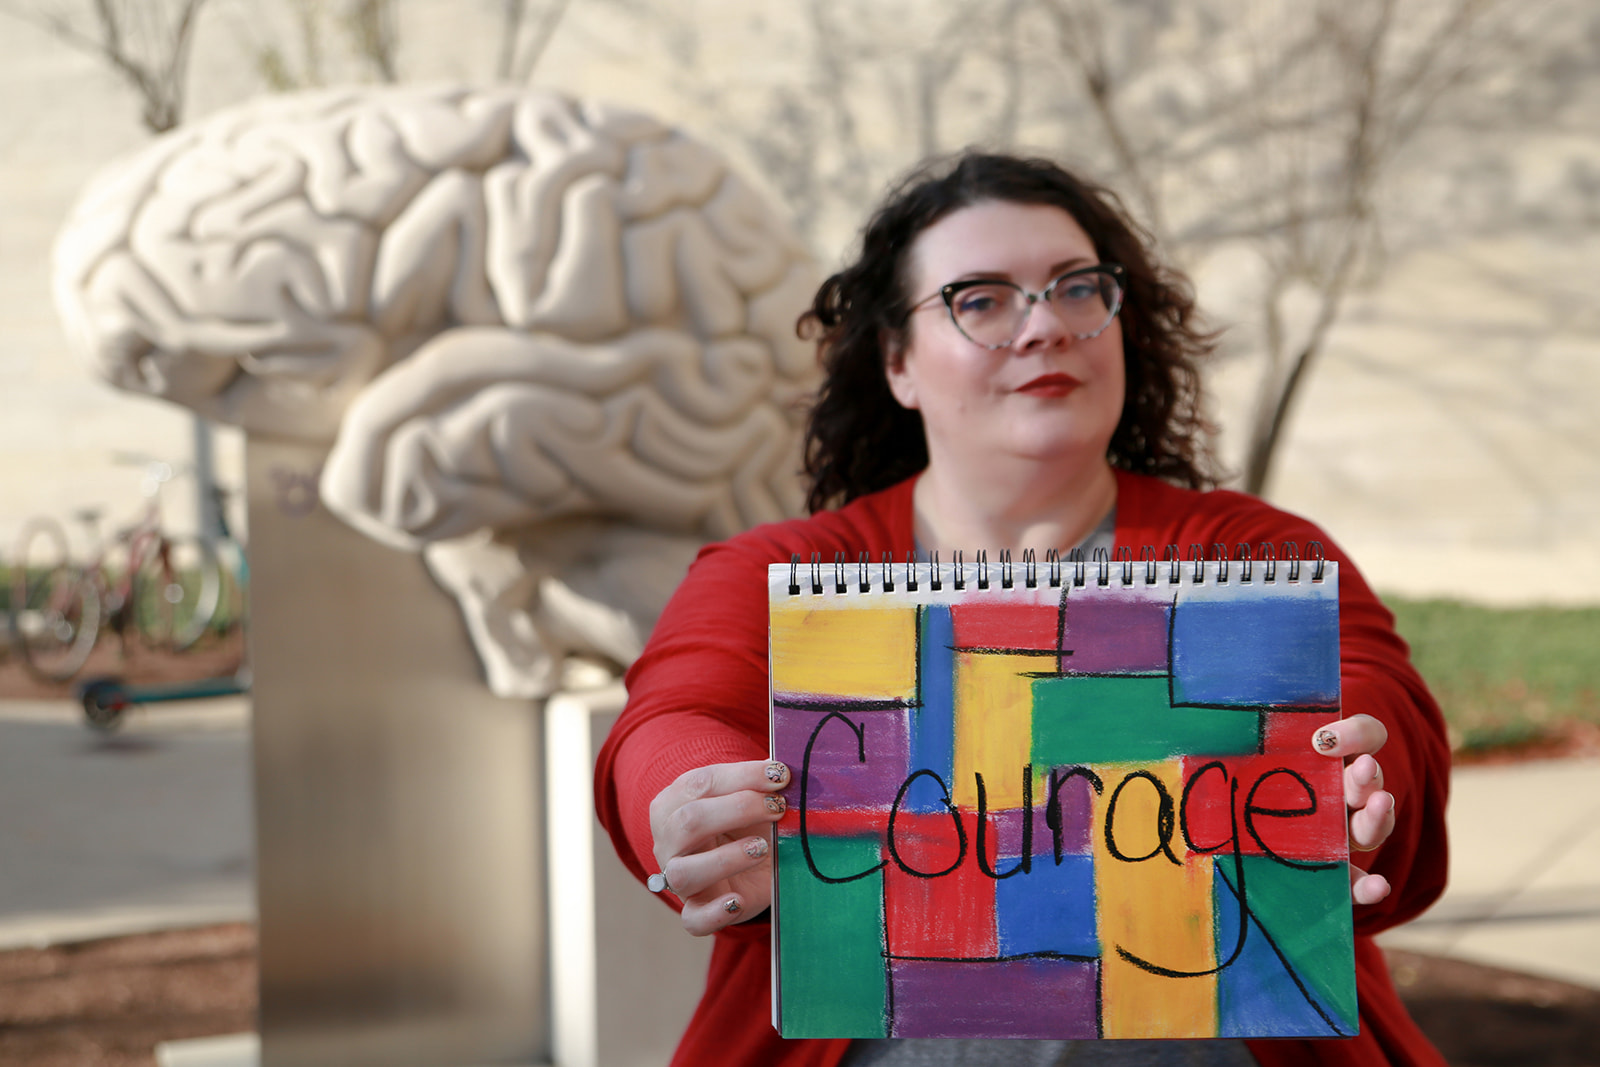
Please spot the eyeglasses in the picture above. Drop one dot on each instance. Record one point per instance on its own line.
(991, 313)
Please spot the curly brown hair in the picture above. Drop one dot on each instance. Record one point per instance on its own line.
(859, 439)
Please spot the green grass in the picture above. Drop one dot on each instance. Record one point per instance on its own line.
(1504, 675)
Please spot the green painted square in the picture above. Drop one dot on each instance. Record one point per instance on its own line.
(1129, 720)
(833, 981)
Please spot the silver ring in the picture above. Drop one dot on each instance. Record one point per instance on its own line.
(657, 882)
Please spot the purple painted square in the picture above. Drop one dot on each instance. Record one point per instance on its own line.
(1077, 812)
(1115, 631)
(840, 781)
(1035, 998)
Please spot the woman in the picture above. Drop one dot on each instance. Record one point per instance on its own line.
(1007, 368)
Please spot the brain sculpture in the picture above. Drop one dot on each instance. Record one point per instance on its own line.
(551, 342)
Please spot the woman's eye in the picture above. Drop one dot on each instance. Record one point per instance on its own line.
(1078, 289)
(978, 301)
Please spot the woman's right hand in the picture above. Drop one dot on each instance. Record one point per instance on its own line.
(713, 842)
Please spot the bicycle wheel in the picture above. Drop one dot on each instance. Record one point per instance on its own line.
(55, 607)
(200, 590)
(176, 590)
(234, 603)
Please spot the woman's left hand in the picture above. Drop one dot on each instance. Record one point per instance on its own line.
(1371, 807)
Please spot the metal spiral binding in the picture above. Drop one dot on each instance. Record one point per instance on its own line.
(1241, 566)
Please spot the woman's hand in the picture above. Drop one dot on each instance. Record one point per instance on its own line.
(713, 842)
(1371, 806)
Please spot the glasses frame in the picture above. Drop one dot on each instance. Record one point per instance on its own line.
(949, 292)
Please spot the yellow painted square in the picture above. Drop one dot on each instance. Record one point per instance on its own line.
(993, 727)
(1158, 911)
(841, 650)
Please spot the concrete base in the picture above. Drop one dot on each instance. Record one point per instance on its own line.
(232, 1050)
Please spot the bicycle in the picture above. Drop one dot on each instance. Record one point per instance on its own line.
(163, 588)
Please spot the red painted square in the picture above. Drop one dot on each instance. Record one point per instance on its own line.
(1004, 625)
(1292, 731)
(1272, 791)
(950, 916)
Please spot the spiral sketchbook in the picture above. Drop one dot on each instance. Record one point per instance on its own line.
(1065, 799)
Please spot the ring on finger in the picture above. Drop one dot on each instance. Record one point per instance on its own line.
(658, 882)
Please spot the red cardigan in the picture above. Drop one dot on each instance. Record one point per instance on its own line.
(698, 695)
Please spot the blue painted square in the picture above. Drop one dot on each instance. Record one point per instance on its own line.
(1256, 647)
(1047, 909)
(932, 737)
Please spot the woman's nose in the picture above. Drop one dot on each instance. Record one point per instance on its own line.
(1044, 325)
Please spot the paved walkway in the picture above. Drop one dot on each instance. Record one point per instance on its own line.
(148, 828)
(1524, 889)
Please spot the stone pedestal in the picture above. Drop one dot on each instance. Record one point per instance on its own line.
(399, 812)
(402, 820)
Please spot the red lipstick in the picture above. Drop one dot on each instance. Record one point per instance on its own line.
(1050, 385)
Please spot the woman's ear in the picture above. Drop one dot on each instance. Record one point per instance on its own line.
(895, 372)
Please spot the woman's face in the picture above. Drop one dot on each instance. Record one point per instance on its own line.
(1047, 396)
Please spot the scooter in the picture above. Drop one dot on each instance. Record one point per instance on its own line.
(106, 700)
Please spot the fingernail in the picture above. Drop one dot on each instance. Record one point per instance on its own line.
(777, 772)
(756, 848)
(776, 805)
(731, 907)
(1327, 740)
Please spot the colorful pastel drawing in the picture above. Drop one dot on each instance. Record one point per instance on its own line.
(1088, 807)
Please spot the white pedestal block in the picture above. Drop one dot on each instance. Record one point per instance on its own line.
(625, 976)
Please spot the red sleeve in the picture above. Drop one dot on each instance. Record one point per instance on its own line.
(696, 696)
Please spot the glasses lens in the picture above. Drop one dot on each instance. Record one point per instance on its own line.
(989, 314)
(1086, 302)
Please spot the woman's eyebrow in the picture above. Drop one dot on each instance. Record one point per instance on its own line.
(1071, 264)
(1057, 269)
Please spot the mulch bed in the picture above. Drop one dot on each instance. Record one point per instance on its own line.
(212, 657)
(108, 1003)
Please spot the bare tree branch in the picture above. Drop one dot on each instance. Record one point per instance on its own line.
(156, 66)
(544, 33)
(1081, 33)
